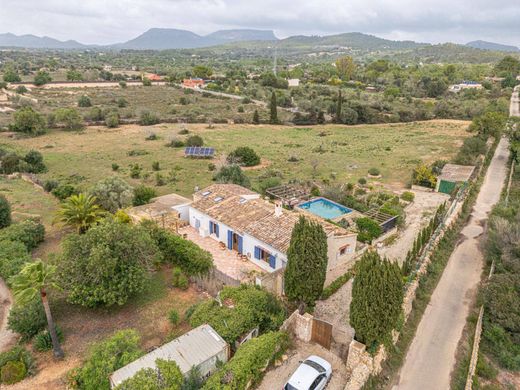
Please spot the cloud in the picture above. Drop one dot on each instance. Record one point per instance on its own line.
(109, 21)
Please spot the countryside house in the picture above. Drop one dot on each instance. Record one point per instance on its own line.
(257, 229)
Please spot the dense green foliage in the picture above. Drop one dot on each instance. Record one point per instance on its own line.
(232, 174)
(247, 366)
(27, 120)
(43, 340)
(15, 364)
(143, 194)
(11, 162)
(244, 156)
(29, 232)
(175, 250)
(12, 372)
(5, 212)
(252, 307)
(108, 264)
(194, 140)
(377, 296)
(68, 118)
(42, 77)
(167, 376)
(13, 255)
(306, 262)
(27, 319)
(368, 229)
(80, 212)
(335, 285)
(104, 358)
(113, 193)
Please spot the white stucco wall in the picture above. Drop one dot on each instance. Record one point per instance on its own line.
(334, 244)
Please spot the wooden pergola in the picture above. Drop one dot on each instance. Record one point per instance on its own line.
(289, 194)
(386, 221)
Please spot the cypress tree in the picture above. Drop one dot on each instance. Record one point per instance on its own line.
(274, 109)
(377, 297)
(256, 117)
(5, 212)
(338, 107)
(306, 262)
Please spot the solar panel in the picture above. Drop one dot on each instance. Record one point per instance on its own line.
(197, 151)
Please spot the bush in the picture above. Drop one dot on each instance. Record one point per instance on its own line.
(143, 195)
(135, 171)
(108, 264)
(147, 82)
(113, 193)
(408, 196)
(156, 166)
(16, 354)
(5, 212)
(13, 256)
(104, 358)
(95, 114)
(64, 191)
(175, 143)
(244, 156)
(42, 77)
(43, 341)
(147, 118)
(211, 167)
(49, 185)
(232, 174)
(173, 316)
(182, 253)
(151, 137)
(248, 365)
(21, 89)
(335, 285)
(84, 101)
(179, 280)
(28, 319)
(159, 179)
(12, 372)
(123, 85)
(34, 160)
(374, 172)
(362, 181)
(194, 140)
(115, 167)
(28, 121)
(29, 232)
(112, 120)
(368, 229)
(69, 118)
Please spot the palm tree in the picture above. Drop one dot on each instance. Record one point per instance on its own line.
(80, 211)
(35, 278)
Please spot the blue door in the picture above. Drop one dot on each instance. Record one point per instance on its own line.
(240, 244)
(230, 239)
(272, 261)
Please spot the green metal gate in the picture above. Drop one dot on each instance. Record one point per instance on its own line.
(446, 187)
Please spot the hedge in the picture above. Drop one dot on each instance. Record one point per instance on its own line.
(248, 365)
(335, 285)
(13, 255)
(29, 232)
(28, 319)
(10, 372)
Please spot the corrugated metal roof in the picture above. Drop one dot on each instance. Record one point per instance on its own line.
(190, 349)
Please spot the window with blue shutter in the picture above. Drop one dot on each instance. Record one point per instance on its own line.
(240, 244)
(272, 261)
(210, 227)
(230, 239)
(216, 230)
(258, 253)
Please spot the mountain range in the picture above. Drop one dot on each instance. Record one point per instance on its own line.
(168, 38)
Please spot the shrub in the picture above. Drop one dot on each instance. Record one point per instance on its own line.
(180, 252)
(112, 120)
(104, 358)
(408, 196)
(362, 181)
(43, 341)
(179, 280)
(159, 179)
(156, 166)
(173, 316)
(21, 89)
(16, 354)
(28, 121)
(29, 232)
(232, 174)
(243, 155)
(335, 285)
(69, 118)
(147, 118)
(27, 319)
(151, 137)
(108, 264)
(147, 82)
(12, 372)
(42, 77)
(368, 229)
(175, 143)
(374, 172)
(252, 307)
(135, 171)
(115, 167)
(143, 195)
(95, 114)
(211, 167)
(248, 365)
(84, 101)
(166, 376)
(194, 140)
(123, 85)
(13, 256)
(5, 212)
(184, 131)
(113, 193)
(34, 160)
(64, 191)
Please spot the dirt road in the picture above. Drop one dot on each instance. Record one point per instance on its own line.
(431, 356)
(514, 108)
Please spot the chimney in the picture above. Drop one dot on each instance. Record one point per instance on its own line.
(278, 209)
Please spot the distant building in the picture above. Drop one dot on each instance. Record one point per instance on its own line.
(201, 347)
(453, 175)
(193, 83)
(153, 77)
(107, 68)
(294, 82)
(465, 85)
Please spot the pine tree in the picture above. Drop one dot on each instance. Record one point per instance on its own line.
(377, 297)
(274, 109)
(306, 262)
(256, 117)
(338, 107)
(321, 117)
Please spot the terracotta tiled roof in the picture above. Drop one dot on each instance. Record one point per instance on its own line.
(242, 210)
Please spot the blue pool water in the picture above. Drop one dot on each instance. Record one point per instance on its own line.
(325, 208)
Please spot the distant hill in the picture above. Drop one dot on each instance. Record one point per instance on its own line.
(34, 42)
(169, 38)
(484, 45)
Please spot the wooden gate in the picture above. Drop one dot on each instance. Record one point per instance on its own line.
(321, 333)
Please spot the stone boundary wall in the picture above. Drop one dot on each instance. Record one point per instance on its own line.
(299, 326)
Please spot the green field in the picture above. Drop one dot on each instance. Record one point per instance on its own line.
(340, 153)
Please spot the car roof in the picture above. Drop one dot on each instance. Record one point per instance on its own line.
(303, 377)
(322, 362)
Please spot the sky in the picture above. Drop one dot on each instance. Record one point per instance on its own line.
(111, 21)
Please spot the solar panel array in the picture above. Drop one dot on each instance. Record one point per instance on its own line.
(197, 151)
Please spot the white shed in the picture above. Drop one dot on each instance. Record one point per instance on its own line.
(201, 347)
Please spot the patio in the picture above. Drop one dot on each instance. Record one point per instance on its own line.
(225, 260)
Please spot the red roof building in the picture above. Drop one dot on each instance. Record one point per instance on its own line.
(193, 83)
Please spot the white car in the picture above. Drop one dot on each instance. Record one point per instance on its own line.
(313, 374)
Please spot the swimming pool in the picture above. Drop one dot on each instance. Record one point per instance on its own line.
(325, 208)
